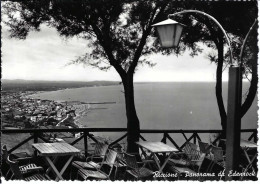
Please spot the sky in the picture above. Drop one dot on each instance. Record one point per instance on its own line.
(44, 55)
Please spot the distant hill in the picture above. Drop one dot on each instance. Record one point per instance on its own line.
(40, 85)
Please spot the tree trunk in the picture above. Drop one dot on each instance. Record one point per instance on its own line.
(218, 88)
(252, 90)
(133, 125)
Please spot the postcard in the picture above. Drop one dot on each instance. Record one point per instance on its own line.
(124, 90)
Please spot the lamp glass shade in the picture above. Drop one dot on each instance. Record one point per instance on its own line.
(169, 32)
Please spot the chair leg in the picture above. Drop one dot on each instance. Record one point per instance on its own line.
(70, 173)
(7, 174)
(124, 175)
(115, 175)
(12, 176)
(77, 175)
(72, 169)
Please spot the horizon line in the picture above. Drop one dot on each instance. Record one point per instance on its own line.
(42, 80)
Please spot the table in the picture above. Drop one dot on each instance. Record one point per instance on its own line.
(48, 150)
(158, 147)
(245, 146)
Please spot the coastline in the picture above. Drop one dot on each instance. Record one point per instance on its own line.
(80, 114)
(149, 100)
(80, 109)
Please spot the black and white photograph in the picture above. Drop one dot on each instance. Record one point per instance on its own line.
(129, 90)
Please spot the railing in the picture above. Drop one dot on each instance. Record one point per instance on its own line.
(87, 133)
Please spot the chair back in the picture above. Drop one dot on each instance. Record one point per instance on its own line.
(196, 157)
(131, 161)
(217, 153)
(14, 168)
(110, 157)
(109, 160)
(204, 147)
(189, 147)
(100, 149)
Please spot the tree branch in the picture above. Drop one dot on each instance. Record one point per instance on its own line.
(143, 41)
(108, 51)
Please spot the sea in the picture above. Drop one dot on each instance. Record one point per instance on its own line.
(159, 105)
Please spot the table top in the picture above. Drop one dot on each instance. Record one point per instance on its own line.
(247, 144)
(157, 147)
(55, 149)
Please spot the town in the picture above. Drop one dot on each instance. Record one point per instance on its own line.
(19, 111)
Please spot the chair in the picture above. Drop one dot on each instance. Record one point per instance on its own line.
(134, 170)
(205, 169)
(181, 170)
(24, 169)
(203, 166)
(189, 157)
(218, 155)
(190, 164)
(101, 172)
(17, 156)
(21, 156)
(204, 147)
(190, 146)
(18, 174)
(120, 164)
(99, 153)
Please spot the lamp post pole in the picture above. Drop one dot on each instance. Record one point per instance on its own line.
(234, 114)
(233, 128)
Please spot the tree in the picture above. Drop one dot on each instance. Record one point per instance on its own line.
(118, 33)
(236, 18)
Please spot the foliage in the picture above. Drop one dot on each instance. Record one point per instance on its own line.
(117, 31)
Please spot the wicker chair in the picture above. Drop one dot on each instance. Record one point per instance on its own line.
(120, 165)
(189, 161)
(24, 169)
(99, 153)
(188, 157)
(208, 168)
(199, 160)
(19, 174)
(19, 155)
(189, 146)
(100, 173)
(204, 147)
(140, 173)
(218, 155)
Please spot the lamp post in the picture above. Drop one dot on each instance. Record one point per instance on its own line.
(169, 33)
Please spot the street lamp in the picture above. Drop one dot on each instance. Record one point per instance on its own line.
(169, 37)
(169, 32)
(165, 30)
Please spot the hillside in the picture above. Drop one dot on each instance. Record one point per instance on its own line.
(31, 85)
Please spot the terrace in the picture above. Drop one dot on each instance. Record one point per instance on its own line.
(162, 165)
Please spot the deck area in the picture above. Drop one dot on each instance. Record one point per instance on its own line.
(163, 165)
